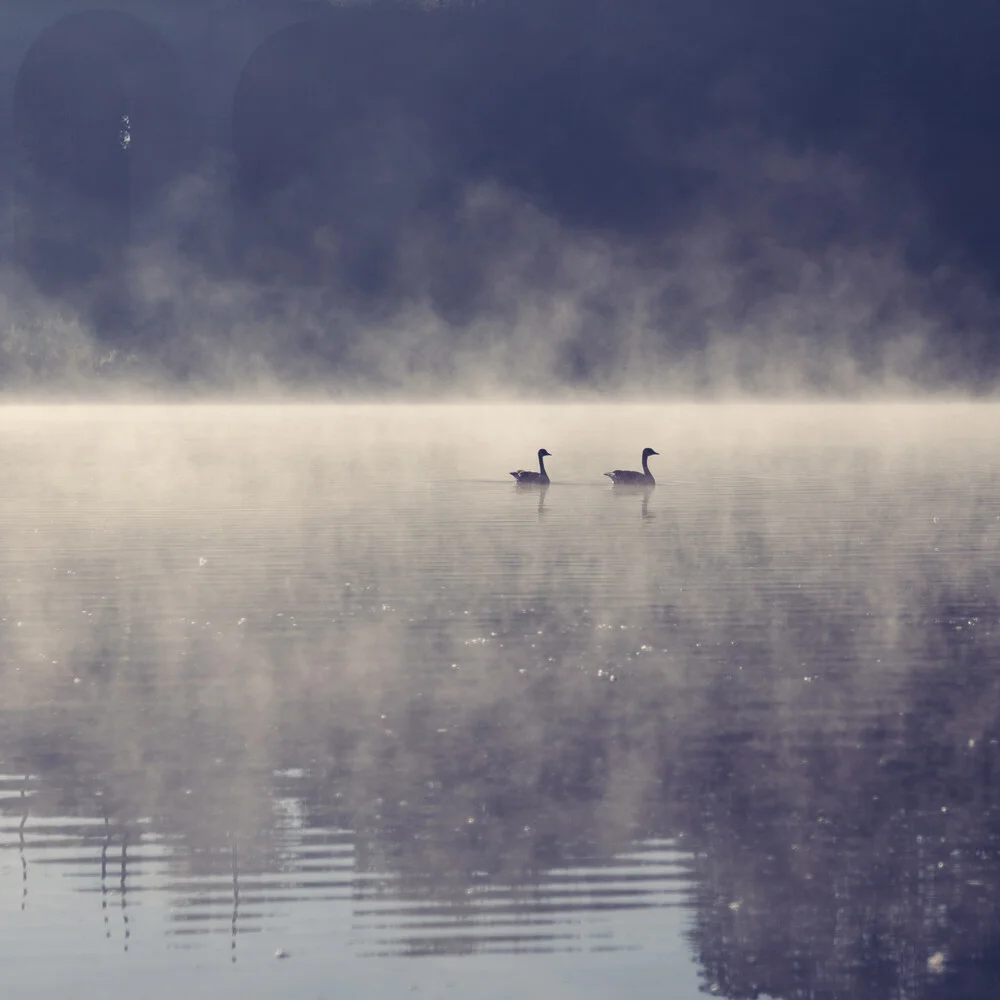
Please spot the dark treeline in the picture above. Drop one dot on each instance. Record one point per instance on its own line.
(591, 108)
(358, 133)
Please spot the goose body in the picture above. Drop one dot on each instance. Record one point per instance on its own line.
(625, 477)
(539, 478)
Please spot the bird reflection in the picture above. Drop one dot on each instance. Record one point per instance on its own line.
(20, 836)
(236, 900)
(124, 891)
(535, 489)
(104, 875)
(637, 489)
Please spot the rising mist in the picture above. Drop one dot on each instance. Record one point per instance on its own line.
(507, 198)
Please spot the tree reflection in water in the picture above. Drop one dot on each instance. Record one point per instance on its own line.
(808, 708)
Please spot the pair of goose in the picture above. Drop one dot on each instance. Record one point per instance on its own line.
(620, 477)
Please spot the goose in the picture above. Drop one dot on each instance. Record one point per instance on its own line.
(623, 477)
(539, 478)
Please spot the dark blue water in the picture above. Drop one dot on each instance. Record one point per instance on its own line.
(305, 701)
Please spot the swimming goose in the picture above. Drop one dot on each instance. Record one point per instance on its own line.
(622, 477)
(539, 478)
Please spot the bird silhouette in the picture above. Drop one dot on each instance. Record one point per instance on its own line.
(625, 477)
(539, 478)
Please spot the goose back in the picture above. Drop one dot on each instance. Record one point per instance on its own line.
(528, 478)
(626, 477)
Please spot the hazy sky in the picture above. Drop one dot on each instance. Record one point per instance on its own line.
(720, 187)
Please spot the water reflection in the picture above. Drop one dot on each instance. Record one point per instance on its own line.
(20, 844)
(632, 493)
(236, 899)
(539, 491)
(765, 695)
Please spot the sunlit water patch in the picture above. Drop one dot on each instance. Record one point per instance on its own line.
(293, 696)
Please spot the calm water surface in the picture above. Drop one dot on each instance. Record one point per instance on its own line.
(321, 682)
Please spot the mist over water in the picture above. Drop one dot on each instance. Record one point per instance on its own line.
(308, 698)
(509, 198)
(504, 300)
(321, 679)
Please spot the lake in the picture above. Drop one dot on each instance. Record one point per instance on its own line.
(308, 700)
